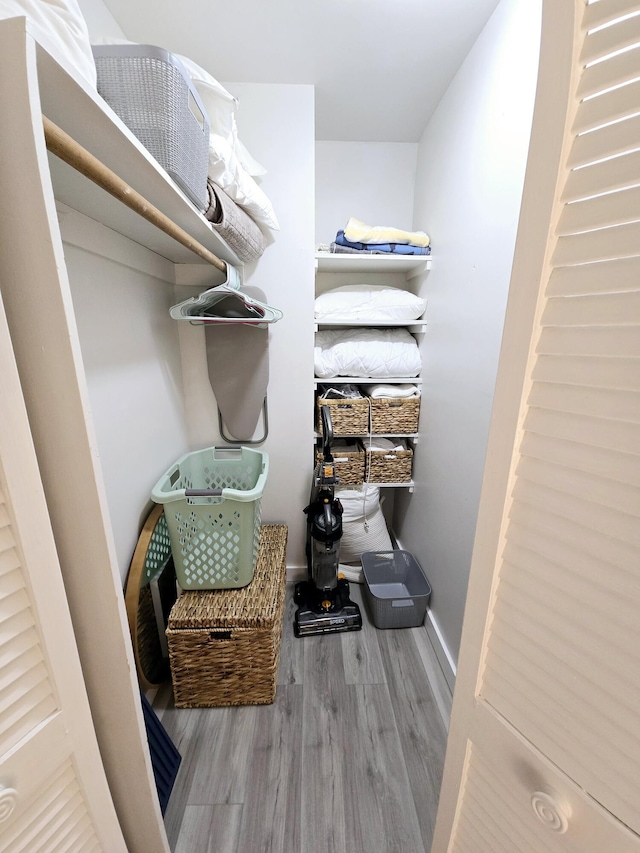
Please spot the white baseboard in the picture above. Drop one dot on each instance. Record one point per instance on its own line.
(440, 648)
(443, 654)
(296, 573)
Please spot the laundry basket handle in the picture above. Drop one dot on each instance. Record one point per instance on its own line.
(203, 493)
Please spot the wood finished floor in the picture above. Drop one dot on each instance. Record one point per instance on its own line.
(348, 759)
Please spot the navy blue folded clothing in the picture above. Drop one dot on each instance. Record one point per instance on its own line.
(382, 248)
(347, 250)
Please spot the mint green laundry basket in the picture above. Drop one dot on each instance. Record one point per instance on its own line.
(211, 502)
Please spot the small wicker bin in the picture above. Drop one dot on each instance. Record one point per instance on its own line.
(388, 466)
(224, 645)
(349, 464)
(394, 416)
(349, 416)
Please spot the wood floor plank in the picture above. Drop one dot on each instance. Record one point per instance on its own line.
(330, 767)
(360, 649)
(210, 829)
(422, 732)
(379, 807)
(220, 773)
(272, 810)
(435, 676)
(185, 730)
(291, 669)
(324, 727)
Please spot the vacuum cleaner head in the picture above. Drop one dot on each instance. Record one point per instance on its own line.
(323, 612)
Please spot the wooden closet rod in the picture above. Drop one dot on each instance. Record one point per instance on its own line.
(67, 149)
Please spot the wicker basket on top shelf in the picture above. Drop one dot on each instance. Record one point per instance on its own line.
(349, 415)
(394, 415)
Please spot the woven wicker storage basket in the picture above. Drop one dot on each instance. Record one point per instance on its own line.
(348, 416)
(388, 466)
(224, 645)
(349, 464)
(393, 415)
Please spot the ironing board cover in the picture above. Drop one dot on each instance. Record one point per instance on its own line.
(238, 362)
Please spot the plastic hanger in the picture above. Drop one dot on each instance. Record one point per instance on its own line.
(226, 304)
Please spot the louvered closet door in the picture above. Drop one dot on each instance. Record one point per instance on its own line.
(53, 792)
(544, 748)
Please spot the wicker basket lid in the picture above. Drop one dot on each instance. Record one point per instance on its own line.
(254, 606)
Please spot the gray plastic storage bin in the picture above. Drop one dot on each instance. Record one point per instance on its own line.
(396, 588)
(150, 90)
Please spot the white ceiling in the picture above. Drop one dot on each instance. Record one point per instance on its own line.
(379, 66)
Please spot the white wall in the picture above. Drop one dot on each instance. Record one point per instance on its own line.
(372, 181)
(471, 163)
(276, 123)
(121, 296)
(100, 21)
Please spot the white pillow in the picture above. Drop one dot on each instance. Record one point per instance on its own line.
(369, 302)
(221, 108)
(374, 353)
(219, 103)
(61, 29)
(225, 171)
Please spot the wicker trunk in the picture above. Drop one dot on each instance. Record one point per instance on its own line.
(224, 644)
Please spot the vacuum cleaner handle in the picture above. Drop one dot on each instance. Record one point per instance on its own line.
(328, 516)
(327, 433)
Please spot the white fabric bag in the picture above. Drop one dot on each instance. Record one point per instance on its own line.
(363, 527)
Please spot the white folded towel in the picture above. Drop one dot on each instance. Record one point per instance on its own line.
(375, 442)
(378, 391)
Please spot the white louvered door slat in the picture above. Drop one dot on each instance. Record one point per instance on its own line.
(605, 243)
(604, 75)
(611, 140)
(602, 211)
(550, 668)
(594, 460)
(605, 341)
(605, 11)
(608, 175)
(600, 43)
(54, 795)
(588, 371)
(613, 275)
(618, 104)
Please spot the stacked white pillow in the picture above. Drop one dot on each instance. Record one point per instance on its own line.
(366, 353)
(369, 302)
(61, 28)
(231, 166)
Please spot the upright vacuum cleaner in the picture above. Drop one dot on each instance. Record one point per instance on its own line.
(323, 601)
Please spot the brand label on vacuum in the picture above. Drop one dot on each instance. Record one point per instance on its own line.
(336, 622)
